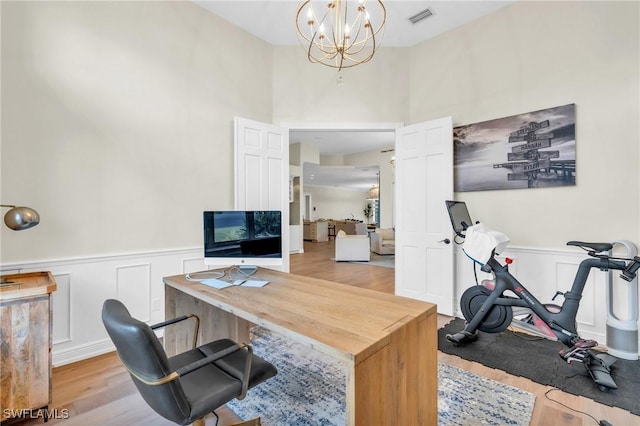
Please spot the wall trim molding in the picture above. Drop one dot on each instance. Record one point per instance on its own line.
(92, 279)
(33, 264)
(79, 353)
(87, 281)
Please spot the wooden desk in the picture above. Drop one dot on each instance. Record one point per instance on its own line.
(25, 349)
(389, 343)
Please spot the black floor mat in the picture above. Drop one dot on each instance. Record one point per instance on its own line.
(537, 359)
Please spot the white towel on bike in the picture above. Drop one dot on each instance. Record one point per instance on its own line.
(480, 242)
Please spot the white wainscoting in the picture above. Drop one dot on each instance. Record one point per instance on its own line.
(544, 272)
(85, 283)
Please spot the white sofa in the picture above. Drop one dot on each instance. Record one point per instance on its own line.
(383, 241)
(352, 247)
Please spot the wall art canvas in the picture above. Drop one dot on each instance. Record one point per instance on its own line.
(532, 150)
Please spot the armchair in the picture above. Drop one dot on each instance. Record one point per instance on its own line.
(223, 369)
(383, 241)
(352, 247)
(361, 229)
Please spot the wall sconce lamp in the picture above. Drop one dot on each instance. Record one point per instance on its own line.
(20, 218)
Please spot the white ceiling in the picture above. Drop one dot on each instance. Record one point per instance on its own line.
(344, 177)
(274, 22)
(344, 142)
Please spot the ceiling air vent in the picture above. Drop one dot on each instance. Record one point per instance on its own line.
(420, 16)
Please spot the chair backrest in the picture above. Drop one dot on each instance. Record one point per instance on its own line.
(361, 229)
(141, 351)
(386, 233)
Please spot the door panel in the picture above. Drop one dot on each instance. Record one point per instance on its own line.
(262, 172)
(424, 180)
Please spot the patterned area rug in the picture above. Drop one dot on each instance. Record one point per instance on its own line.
(309, 390)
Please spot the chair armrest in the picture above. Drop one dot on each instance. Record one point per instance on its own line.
(189, 368)
(179, 319)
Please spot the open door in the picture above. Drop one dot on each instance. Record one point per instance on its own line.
(424, 180)
(262, 172)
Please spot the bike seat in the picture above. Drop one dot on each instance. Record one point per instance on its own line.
(597, 247)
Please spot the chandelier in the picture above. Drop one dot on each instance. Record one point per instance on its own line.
(339, 33)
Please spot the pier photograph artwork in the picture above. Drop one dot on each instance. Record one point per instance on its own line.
(531, 150)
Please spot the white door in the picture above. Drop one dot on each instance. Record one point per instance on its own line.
(308, 207)
(262, 172)
(424, 180)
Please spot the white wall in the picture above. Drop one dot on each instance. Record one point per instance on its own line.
(535, 55)
(387, 180)
(117, 122)
(117, 127)
(377, 91)
(337, 203)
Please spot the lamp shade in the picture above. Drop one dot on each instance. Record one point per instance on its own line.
(19, 218)
(374, 193)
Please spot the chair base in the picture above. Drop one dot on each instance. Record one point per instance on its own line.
(252, 422)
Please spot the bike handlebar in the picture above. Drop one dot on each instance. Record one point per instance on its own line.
(630, 272)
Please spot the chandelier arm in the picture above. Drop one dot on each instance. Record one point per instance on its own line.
(342, 48)
(326, 56)
(384, 18)
(299, 32)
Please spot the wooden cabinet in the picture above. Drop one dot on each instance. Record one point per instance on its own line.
(348, 226)
(25, 341)
(316, 231)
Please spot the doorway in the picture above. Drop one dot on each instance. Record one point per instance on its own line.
(374, 140)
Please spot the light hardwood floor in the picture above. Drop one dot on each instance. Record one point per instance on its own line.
(98, 391)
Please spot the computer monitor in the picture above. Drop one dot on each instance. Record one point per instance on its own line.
(459, 215)
(243, 238)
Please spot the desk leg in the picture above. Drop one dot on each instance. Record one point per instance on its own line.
(398, 385)
(214, 322)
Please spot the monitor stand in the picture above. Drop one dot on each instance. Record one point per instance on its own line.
(248, 270)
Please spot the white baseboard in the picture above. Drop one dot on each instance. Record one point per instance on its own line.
(79, 353)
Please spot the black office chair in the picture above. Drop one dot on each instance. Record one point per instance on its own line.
(222, 370)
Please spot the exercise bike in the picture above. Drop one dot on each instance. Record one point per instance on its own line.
(487, 308)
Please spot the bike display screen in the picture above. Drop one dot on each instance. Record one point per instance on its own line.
(459, 215)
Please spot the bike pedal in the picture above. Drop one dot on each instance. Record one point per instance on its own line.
(586, 344)
(577, 357)
(579, 352)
